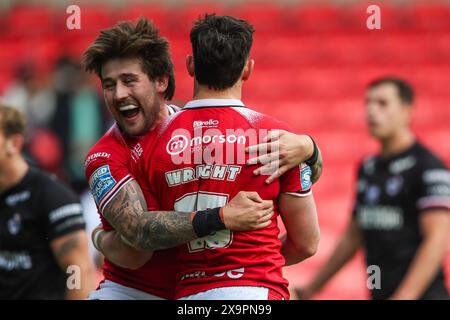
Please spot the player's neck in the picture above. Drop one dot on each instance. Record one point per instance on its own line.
(397, 144)
(203, 92)
(12, 173)
(163, 114)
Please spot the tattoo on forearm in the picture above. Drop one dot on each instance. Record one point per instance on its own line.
(317, 169)
(165, 229)
(154, 230)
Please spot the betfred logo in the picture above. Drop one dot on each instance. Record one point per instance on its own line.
(101, 182)
(206, 124)
(177, 144)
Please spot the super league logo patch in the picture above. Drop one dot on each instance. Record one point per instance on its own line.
(305, 177)
(100, 182)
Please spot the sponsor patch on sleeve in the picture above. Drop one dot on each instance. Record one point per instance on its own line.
(305, 177)
(100, 182)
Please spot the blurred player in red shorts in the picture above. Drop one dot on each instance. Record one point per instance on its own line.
(200, 163)
(134, 66)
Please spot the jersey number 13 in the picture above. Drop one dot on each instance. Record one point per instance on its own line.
(201, 201)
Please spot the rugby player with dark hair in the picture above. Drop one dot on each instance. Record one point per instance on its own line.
(400, 217)
(201, 164)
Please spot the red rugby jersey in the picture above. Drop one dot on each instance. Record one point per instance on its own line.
(109, 165)
(199, 163)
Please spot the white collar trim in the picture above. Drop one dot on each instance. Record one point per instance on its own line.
(214, 103)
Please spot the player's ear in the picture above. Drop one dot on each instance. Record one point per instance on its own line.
(248, 69)
(190, 65)
(162, 83)
(14, 144)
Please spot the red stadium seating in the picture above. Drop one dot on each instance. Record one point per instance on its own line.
(315, 18)
(179, 22)
(355, 16)
(96, 17)
(267, 18)
(313, 63)
(30, 21)
(158, 14)
(430, 17)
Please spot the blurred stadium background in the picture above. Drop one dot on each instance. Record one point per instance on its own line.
(313, 60)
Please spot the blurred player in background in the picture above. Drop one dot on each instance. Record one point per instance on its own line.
(226, 264)
(134, 65)
(400, 217)
(42, 236)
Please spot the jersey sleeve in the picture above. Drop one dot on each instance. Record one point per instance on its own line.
(297, 181)
(434, 186)
(61, 210)
(107, 172)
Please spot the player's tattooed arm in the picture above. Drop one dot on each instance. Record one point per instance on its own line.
(156, 230)
(146, 230)
(281, 151)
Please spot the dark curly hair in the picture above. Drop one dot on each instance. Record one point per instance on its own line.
(135, 40)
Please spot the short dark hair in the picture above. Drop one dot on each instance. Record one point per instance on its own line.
(221, 46)
(128, 40)
(405, 90)
(12, 121)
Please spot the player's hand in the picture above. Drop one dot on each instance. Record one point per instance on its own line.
(247, 212)
(279, 152)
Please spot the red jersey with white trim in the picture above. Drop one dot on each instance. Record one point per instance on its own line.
(110, 164)
(200, 163)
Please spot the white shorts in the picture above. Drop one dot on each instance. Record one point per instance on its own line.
(109, 290)
(231, 293)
